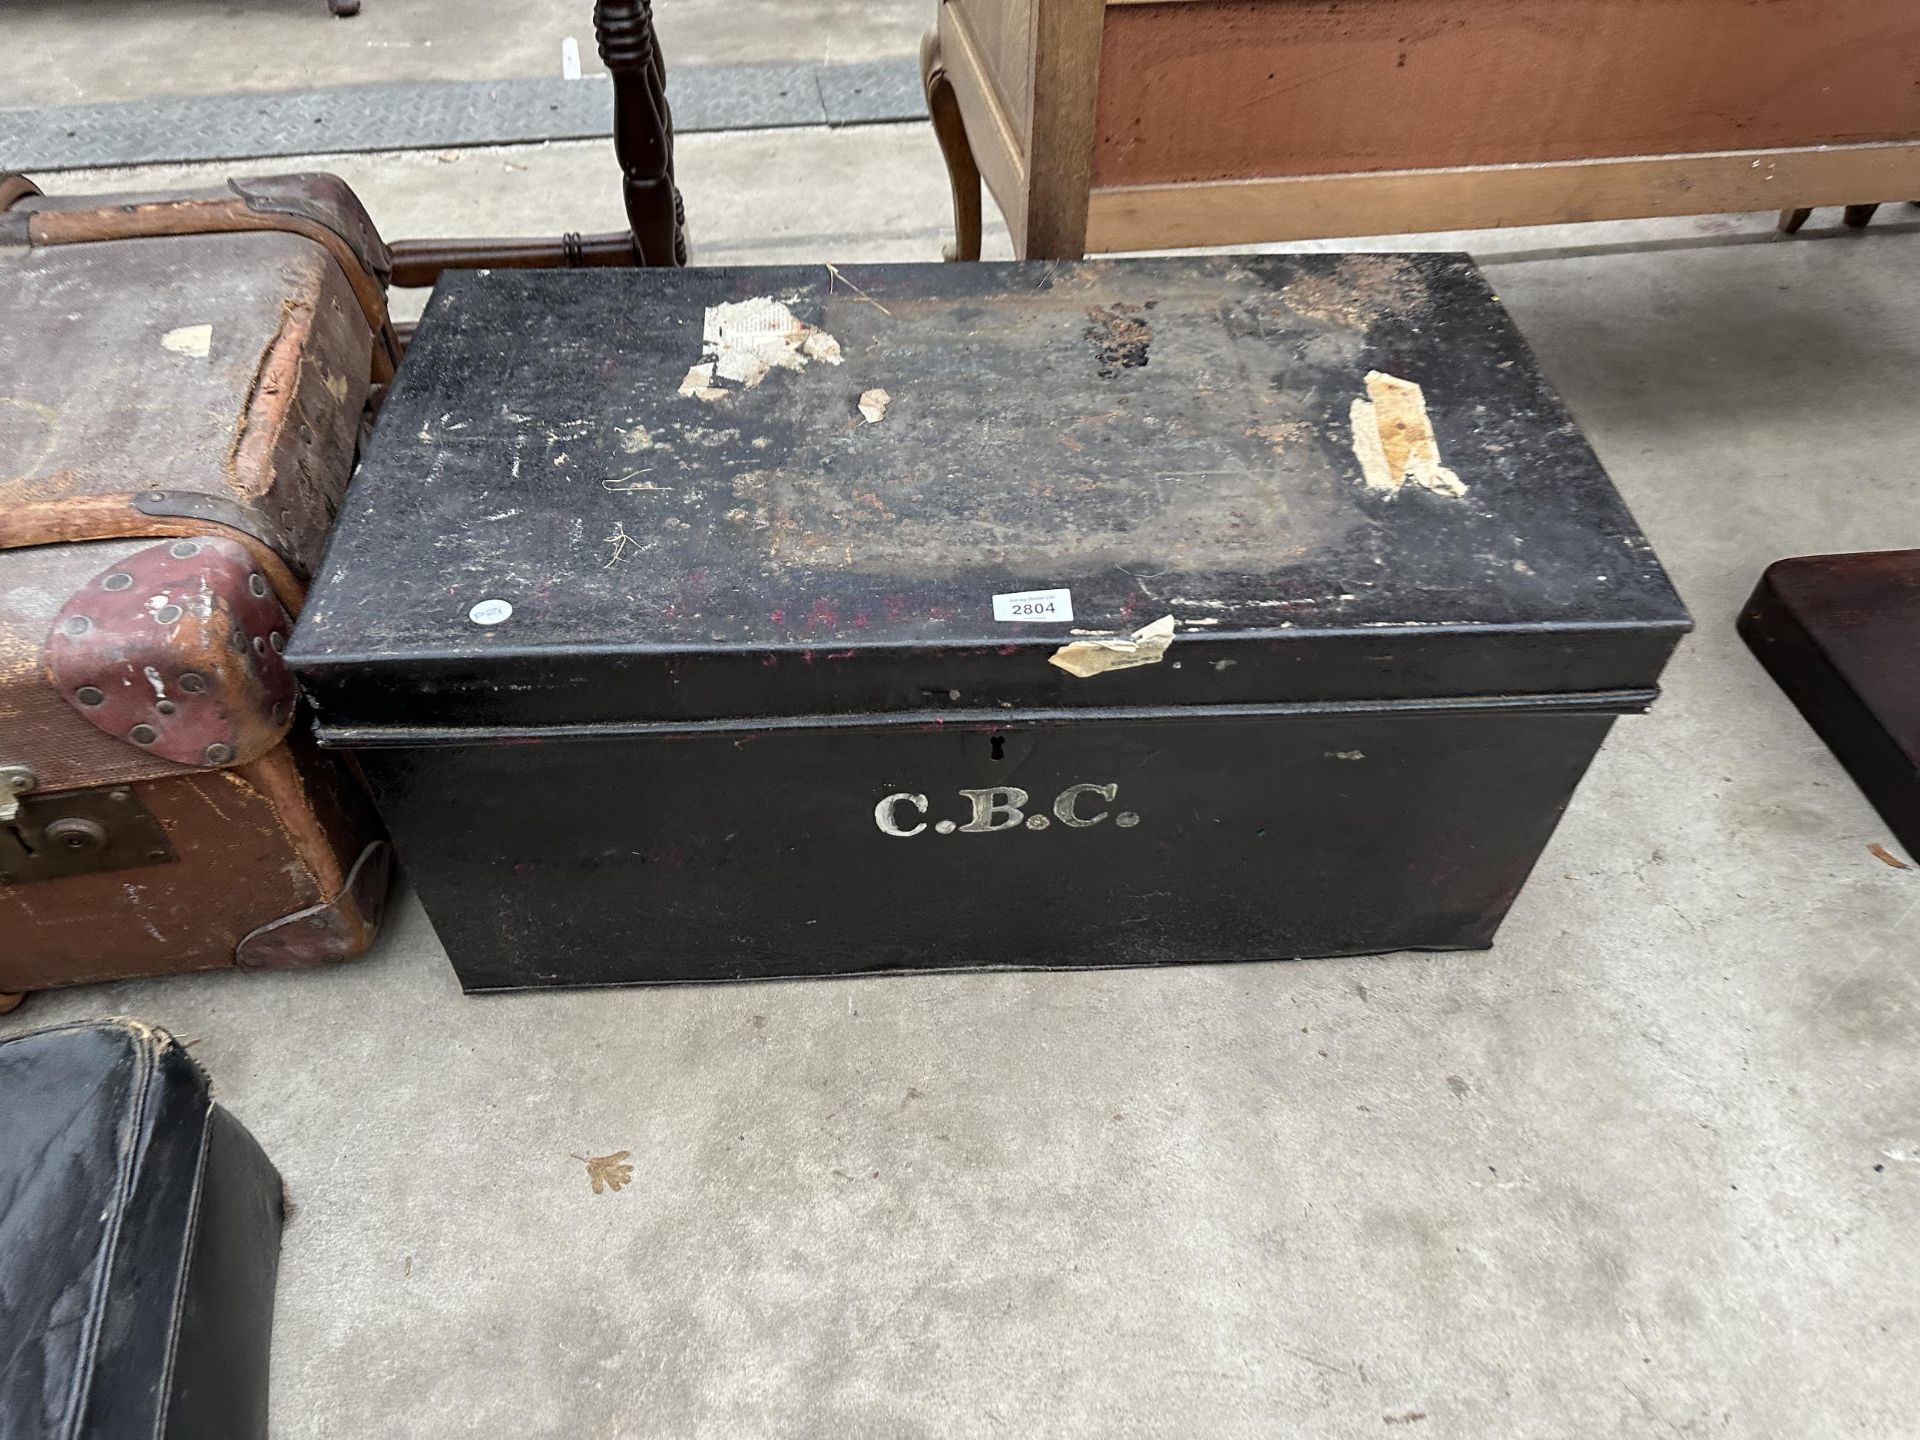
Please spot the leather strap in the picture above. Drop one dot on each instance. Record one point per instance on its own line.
(328, 201)
(117, 517)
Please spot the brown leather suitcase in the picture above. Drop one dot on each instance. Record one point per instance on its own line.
(179, 412)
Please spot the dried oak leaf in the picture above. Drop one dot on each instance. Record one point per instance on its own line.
(1887, 857)
(606, 1171)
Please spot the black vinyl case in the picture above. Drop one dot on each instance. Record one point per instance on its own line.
(717, 624)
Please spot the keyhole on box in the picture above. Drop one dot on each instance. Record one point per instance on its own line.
(994, 758)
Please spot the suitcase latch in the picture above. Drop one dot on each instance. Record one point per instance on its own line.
(77, 832)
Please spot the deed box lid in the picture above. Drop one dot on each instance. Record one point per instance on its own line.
(678, 496)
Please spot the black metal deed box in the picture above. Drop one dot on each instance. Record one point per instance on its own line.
(710, 624)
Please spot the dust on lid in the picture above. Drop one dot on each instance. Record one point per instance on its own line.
(864, 468)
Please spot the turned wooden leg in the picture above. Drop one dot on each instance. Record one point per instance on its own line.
(642, 129)
(962, 173)
(1860, 216)
(1792, 220)
(10, 1003)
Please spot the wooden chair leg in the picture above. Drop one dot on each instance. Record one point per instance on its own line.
(642, 143)
(962, 173)
(642, 129)
(1857, 217)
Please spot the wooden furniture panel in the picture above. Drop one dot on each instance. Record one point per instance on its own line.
(1025, 75)
(1394, 202)
(1214, 91)
(1139, 124)
(1000, 35)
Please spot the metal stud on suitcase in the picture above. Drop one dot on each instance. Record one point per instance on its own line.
(178, 416)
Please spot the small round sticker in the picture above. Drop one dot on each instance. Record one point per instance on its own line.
(490, 612)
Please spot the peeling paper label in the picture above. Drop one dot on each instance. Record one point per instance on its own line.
(1087, 658)
(1393, 439)
(193, 341)
(1031, 605)
(699, 383)
(742, 341)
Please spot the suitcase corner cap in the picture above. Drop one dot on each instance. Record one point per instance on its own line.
(332, 931)
(176, 650)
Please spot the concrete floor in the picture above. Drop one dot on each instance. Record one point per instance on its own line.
(1650, 1167)
(219, 47)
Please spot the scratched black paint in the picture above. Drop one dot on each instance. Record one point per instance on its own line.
(741, 624)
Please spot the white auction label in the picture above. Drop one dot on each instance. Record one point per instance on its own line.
(1034, 605)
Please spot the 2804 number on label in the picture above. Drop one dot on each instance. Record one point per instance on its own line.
(1034, 605)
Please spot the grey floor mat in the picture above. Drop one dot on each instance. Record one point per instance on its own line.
(361, 118)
